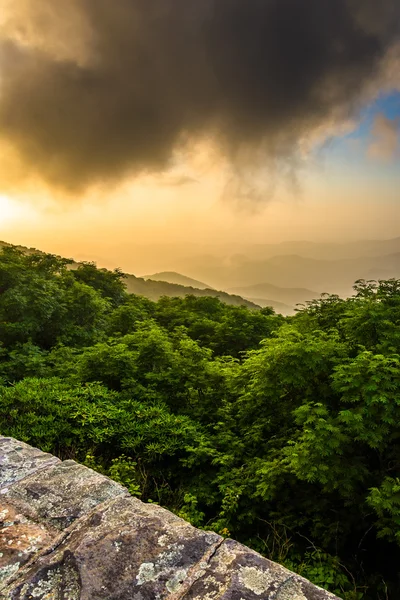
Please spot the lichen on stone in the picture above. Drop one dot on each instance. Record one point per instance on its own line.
(290, 590)
(60, 583)
(256, 580)
(8, 571)
(176, 580)
(147, 572)
(162, 540)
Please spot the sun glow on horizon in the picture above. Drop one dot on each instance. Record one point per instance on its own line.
(9, 210)
(15, 212)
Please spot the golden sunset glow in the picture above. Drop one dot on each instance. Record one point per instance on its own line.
(9, 210)
(117, 159)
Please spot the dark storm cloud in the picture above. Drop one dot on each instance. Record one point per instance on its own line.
(159, 74)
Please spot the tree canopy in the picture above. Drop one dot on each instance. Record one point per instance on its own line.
(283, 433)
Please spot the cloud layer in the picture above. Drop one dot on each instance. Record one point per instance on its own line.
(95, 90)
(386, 133)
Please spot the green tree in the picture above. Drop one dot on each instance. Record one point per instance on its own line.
(109, 284)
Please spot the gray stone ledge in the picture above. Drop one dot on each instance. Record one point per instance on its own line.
(68, 533)
(18, 460)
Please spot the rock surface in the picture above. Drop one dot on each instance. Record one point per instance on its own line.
(68, 533)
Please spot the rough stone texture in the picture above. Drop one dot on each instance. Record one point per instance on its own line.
(18, 460)
(68, 533)
(62, 493)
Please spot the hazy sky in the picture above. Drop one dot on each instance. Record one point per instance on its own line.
(129, 122)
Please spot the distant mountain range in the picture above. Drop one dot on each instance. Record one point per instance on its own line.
(294, 271)
(283, 275)
(279, 307)
(156, 289)
(322, 250)
(194, 258)
(282, 299)
(173, 277)
(277, 275)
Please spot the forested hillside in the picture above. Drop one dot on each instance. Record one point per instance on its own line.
(282, 432)
(154, 289)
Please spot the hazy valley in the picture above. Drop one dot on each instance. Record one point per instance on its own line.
(283, 275)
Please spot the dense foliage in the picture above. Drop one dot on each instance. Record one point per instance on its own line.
(281, 432)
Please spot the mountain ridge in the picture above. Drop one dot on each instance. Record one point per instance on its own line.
(178, 278)
(154, 290)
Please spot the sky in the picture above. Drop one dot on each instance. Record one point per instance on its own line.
(126, 124)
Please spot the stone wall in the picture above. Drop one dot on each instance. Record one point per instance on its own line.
(68, 533)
